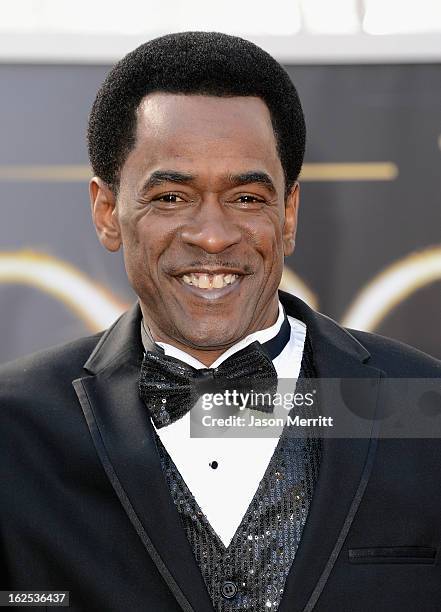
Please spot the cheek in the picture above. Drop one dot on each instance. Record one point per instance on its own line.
(147, 242)
(136, 256)
(265, 237)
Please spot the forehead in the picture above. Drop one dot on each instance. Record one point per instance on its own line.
(199, 127)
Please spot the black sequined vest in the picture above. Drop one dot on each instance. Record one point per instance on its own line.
(250, 573)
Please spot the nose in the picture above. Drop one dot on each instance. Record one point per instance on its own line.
(211, 229)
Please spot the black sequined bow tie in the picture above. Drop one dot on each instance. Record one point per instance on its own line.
(170, 388)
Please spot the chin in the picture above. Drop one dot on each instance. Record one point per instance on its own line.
(207, 337)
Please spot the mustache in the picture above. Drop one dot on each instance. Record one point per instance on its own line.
(197, 264)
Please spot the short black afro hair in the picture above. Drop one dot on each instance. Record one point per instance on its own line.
(208, 63)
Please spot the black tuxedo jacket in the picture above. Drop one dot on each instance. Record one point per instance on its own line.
(84, 506)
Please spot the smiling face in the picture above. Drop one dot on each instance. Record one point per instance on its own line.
(202, 219)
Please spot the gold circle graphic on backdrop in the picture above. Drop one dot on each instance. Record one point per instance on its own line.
(96, 306)
(392, 286)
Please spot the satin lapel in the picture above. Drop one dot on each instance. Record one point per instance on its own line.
(124, 439)
(346, 463)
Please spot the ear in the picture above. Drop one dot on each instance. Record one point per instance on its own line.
(290, 224)
(104, 214)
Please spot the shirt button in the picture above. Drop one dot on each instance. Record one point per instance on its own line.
(229, 589)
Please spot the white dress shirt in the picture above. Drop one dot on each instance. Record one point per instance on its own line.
(224, 493)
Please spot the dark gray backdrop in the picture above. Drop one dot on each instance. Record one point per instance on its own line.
(349, 231)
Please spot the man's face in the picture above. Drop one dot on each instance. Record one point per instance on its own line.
(202, 218)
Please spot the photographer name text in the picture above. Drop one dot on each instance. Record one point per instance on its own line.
(238, 421)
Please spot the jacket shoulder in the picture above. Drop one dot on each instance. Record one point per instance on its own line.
(46, 368)
(396, 358)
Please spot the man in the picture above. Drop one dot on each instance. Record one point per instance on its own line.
(196, 141)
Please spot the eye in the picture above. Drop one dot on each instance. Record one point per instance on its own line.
(170, 198)
(248, 201)
(250, 198)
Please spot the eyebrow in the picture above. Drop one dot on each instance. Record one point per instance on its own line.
(158, 177)
(254, 176)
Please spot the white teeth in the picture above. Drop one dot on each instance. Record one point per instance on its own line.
(204, 281)
(209, 281)
(218, 281)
